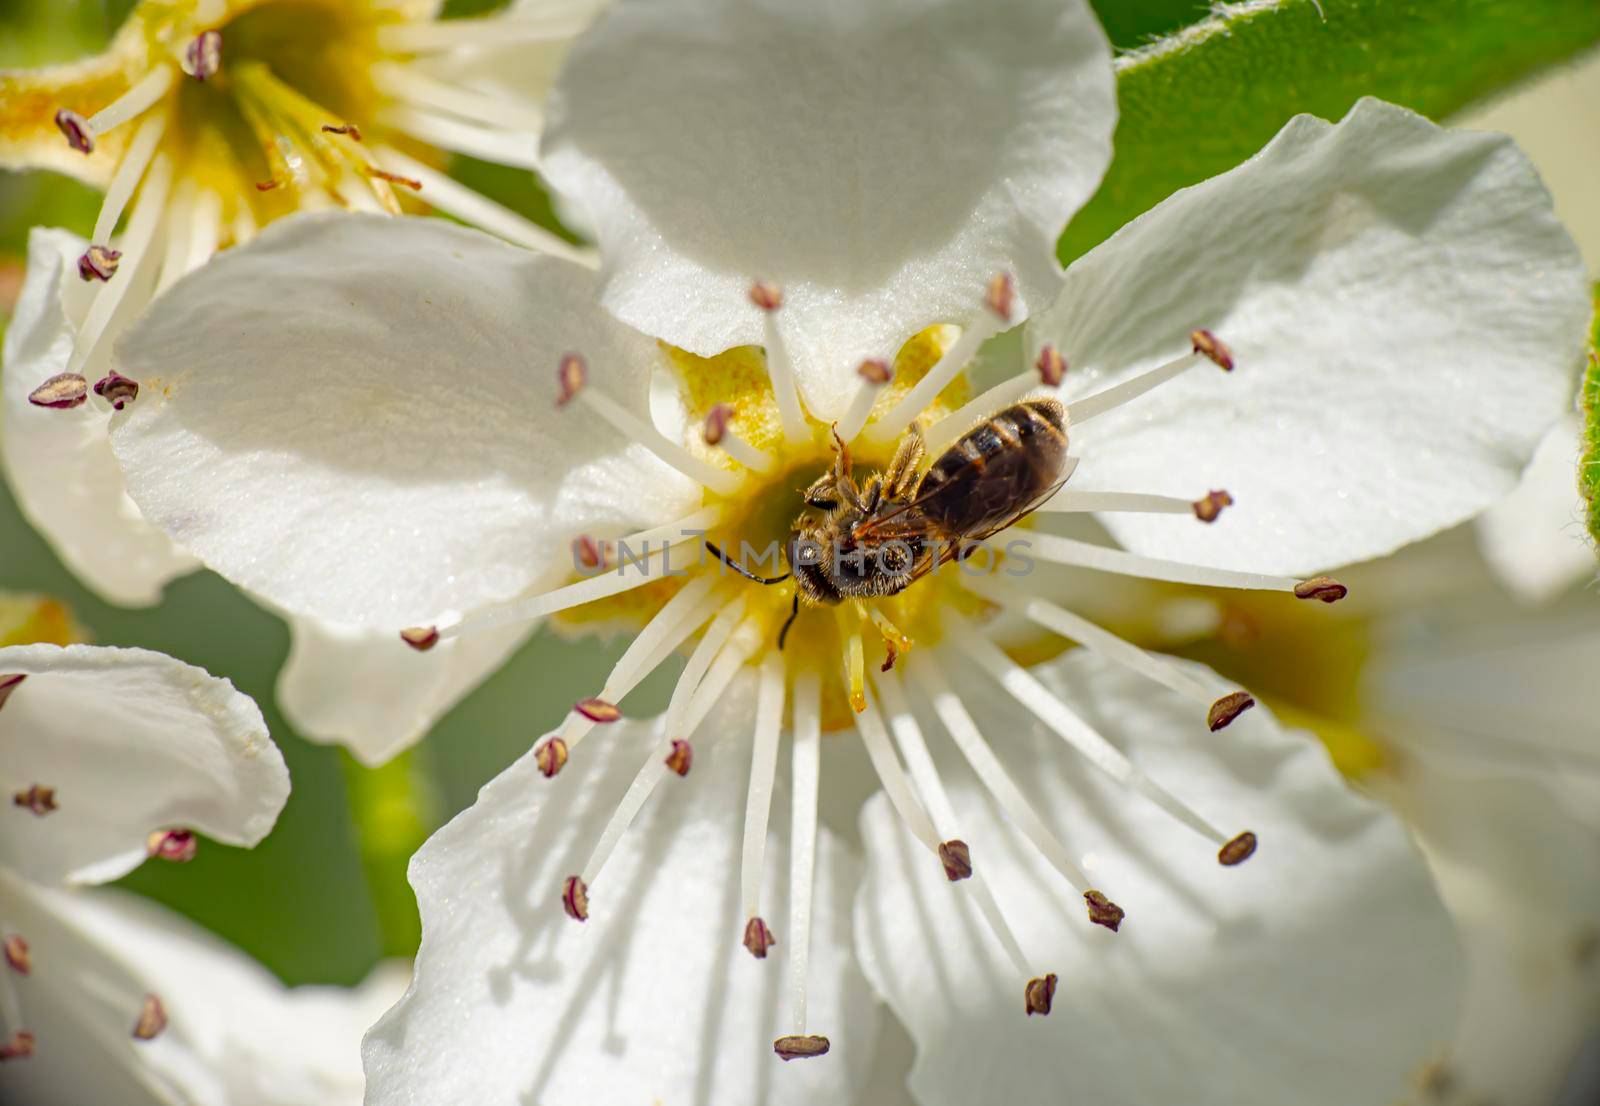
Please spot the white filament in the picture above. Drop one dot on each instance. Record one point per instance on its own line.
(557, 24)
(134, 102)
(1082, 554)
(1082, 410)
(805, 772)
(893, 778)
(635, 428)
(130, 171)
(780, 370)
(473, 139)
(860, 407)
(763, 768)
(756, 460)
(963, 730)
(409, 83)
(455, 198)
(1028, 691)
(944, 433)
(1135, 502)
(925, 777)
(912, 404)
(135, 245)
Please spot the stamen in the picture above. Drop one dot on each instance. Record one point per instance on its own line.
(575, 899)
(1227, 708)
(874, 375)
(61, 392)
(680, 758)
(876, 740)
(1040, 993)
(203, 57)
(943, 434)
(1324, 588)
(75, 129)
(799, 1048)
(117, 390)
(175, 845)
(1028, 691)
(1104, 912)
(37, 798)
(1001, 295)
(897, 641)
(1082, 554)
(780, 367)
(8, 683)
(434, 36)
(804, 774)
(1209, 346)
(717, 432)
(454, 198)
(963, 730)
(98, 263)
(1051, 367)
(502, 147)
(591, 555)
(132, 103)
(1072, 502)
(18, 1046)
(758, 938)
(758, 799)
(597, 710)
(177, 223)
(551, 757)
(573, 375)
(957, 860)
(18, 955)
(349, 130)
(1238, 850)
(130, 170)
(912, 404)
(394, 178)
(152, 1019)
(595, 587)
(420, 638)
(135, 244)
(1111, 398)
(855, 661)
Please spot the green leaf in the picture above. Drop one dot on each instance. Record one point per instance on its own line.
(1199, 102)
(1589, 465)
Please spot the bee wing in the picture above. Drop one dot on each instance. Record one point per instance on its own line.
(949, 550)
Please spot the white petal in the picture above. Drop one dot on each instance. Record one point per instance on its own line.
(354, 417)
(1534, 538)
(1242, 986)
(1406, 315)
(59, 463)
(1522, 878)
(369, 691)
(132, 742)
(880, 161)
(235, 1036)
(653, 999)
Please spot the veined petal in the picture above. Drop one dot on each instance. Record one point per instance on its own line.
(652, 998)
(234, 1034)
(369, 691)
(30, 98)
(59, 463)
(1243, 986)
(1406, 316)
(356, 419)
(128, 742)
(880, 162)
(1534, 537)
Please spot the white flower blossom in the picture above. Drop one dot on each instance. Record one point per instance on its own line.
(203, 121)
(870, 191)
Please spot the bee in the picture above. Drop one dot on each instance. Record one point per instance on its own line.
(877, 538)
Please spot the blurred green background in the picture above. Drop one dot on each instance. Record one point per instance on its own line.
(324, 896)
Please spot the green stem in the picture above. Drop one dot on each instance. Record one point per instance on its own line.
(394, 809)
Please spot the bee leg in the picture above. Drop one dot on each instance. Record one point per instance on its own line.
(907, 456)
(794, 613)
(842, 480)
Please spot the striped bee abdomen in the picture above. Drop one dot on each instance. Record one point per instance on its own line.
(997, 471)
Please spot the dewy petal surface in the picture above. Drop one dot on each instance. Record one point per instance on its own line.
(879, 161)
(1249, 986)
(372, 693)
(132, 742)
(355, 418)
(653, 999)
(1406, 316)
(59, 463)
(235, 1036)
